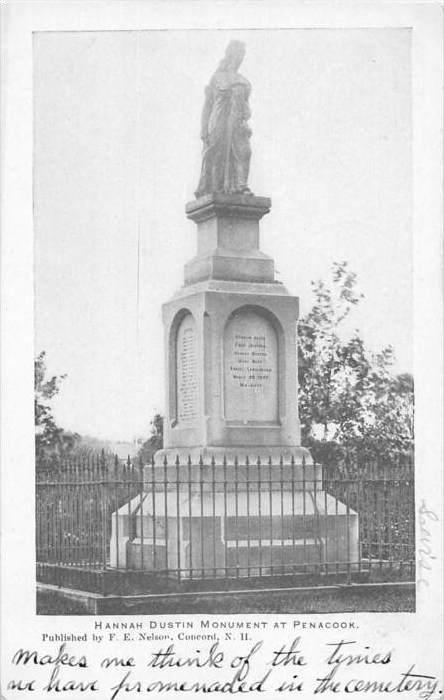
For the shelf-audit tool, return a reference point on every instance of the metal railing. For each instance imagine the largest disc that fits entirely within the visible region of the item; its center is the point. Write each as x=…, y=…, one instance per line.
x=110, y=526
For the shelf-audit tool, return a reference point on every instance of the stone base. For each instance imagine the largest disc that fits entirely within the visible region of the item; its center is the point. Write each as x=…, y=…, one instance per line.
x=209, y=534
x=287, y=454
x=233, y=478
x=222, y=264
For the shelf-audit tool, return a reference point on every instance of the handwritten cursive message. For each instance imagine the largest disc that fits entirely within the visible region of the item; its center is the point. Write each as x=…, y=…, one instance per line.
x=346, y=668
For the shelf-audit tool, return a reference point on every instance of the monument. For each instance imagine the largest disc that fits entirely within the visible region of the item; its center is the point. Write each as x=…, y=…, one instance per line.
x=230, y=332
x=231, y=417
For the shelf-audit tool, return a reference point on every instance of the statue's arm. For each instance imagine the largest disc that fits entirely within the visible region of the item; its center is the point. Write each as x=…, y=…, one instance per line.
x=206, y=112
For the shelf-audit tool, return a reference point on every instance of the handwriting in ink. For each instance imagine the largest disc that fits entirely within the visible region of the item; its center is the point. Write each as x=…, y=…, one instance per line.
x=367, y=657
x=23, y=656
x=425, y=551
x=292, y=655
x=168, y=658
x=409, y=682
x=232, y=687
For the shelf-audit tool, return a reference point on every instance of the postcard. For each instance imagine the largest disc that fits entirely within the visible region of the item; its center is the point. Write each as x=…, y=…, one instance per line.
x=222, y=349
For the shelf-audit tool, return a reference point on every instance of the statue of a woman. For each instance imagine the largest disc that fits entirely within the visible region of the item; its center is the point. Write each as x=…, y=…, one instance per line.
x=225, y=132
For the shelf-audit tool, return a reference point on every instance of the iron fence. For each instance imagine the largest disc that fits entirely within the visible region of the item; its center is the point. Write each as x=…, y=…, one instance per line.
x=109, y=526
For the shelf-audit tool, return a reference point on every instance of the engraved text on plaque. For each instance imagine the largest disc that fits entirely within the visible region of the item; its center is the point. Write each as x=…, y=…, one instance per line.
x=187, y=388
x=250, y=369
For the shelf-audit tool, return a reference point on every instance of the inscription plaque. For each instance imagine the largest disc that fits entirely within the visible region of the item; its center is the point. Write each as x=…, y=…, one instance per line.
x=187, y=388
x=250, y=369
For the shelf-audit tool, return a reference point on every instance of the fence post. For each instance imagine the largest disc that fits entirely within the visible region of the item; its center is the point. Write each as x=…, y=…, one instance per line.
x=141, y=500
x=202, y=555
x=116, y=508
x=178, y=544
x=104, y=498
x=259, y=511
x=165, y=512
x=190, y=517
x=247, y=497
x=225, y=519
x=236, y=510
x=213, y=501
x=153, y=511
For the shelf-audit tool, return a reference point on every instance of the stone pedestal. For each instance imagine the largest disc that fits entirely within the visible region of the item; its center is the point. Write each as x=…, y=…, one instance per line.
x=214, y=531
x=232, y=493
x=228, y=239
x=230, y=340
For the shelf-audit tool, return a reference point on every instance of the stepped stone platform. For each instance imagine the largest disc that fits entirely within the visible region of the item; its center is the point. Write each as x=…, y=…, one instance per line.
x=218, y=527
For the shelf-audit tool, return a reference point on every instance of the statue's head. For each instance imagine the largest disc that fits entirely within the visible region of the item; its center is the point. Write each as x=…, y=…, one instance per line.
x=234, y=54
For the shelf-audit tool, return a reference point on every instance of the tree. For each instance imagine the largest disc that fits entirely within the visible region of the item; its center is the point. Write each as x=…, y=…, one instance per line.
x=154, y=442
x=50, y=440
x=349, y=398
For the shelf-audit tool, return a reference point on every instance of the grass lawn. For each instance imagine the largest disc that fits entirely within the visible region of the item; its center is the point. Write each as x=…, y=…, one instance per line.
x=382, y=599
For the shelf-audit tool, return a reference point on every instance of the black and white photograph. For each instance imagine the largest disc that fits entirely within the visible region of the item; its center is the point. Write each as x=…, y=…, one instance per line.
x=222, y=359
x=257, y=188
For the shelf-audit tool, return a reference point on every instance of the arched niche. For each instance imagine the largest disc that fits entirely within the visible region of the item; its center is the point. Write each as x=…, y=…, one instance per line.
x=251, y=367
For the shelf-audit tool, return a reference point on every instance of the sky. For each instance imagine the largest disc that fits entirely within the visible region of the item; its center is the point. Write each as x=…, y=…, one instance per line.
x=117, y=155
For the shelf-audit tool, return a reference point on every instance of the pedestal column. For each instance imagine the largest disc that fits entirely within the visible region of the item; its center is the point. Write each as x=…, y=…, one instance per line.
x=230, y=340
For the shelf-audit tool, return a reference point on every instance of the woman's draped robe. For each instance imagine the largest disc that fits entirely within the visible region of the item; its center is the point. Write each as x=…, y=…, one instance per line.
x=226, y=135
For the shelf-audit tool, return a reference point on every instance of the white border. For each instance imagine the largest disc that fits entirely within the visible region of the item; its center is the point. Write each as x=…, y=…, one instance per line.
x=19, y=20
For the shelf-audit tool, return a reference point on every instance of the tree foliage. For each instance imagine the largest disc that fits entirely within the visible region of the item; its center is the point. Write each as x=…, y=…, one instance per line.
x=51, y=441
x=348, y=396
